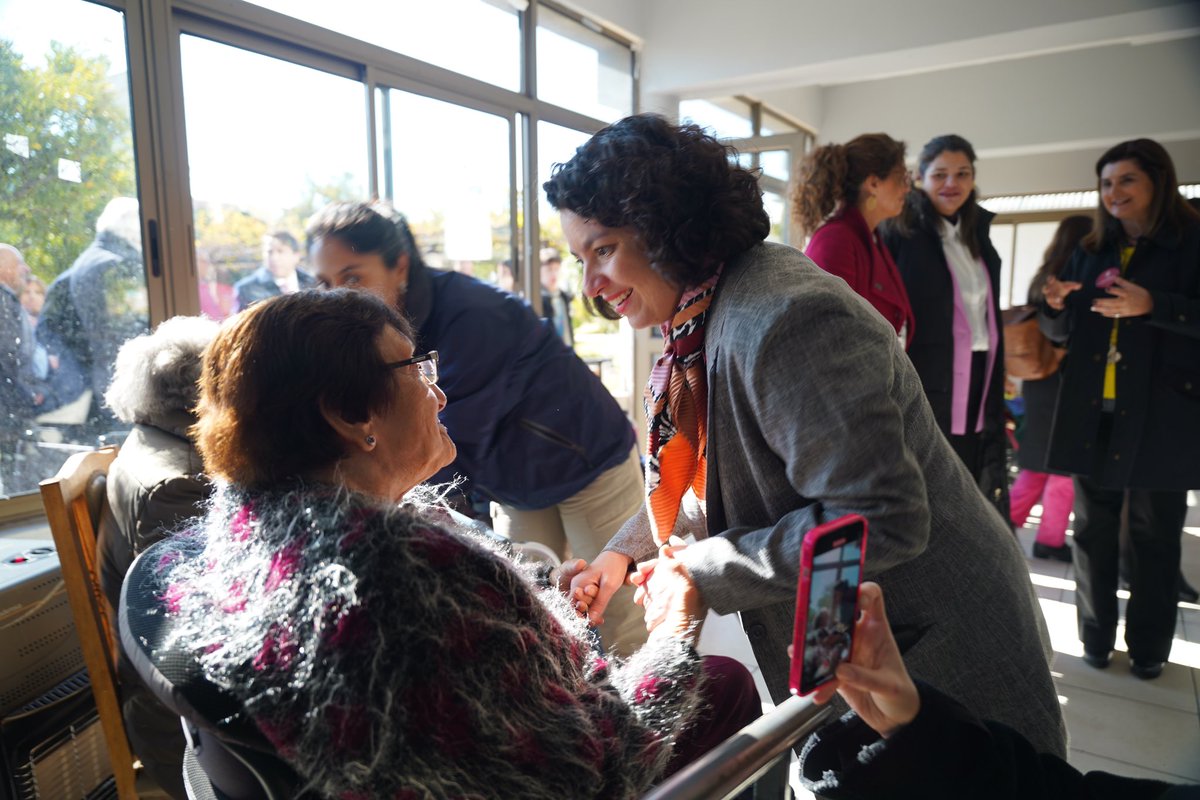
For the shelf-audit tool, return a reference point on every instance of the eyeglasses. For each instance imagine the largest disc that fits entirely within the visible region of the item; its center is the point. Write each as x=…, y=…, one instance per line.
x=427, y=363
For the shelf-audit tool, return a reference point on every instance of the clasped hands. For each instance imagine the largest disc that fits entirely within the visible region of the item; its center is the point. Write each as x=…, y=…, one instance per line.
x=1126, y=298
x=672, y=604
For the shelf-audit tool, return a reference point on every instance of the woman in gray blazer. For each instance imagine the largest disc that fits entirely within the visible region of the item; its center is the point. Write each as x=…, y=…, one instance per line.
x=782, y=400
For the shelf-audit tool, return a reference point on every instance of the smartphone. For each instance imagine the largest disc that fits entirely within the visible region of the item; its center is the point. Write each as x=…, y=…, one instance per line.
x=831, y=567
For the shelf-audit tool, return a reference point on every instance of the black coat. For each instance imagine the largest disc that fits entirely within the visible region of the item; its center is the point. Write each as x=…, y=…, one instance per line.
x=922, y=264
x=947, y=752
x=1155, y=442
x=1040, y=397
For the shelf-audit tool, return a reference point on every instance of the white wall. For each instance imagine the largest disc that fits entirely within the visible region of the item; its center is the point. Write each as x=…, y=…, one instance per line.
x=1037, y=114
x=1040, y=87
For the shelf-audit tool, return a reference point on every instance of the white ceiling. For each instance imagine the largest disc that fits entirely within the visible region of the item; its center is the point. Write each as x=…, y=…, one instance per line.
x=1040, y=87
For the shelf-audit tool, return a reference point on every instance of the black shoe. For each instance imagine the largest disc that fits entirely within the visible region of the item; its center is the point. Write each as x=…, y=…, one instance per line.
x=1187, y=592
x=1101, y=660
x=1057, y=553
x=1146, y=670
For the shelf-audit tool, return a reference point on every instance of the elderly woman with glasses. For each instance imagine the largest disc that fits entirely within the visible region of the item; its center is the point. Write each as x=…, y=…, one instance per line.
x=782, y=401
x=380, y=649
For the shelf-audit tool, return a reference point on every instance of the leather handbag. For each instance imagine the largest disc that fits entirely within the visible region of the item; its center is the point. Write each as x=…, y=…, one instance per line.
x=1028, y=354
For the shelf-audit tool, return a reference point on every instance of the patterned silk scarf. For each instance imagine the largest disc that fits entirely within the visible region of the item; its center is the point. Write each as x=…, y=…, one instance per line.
x=677, y=411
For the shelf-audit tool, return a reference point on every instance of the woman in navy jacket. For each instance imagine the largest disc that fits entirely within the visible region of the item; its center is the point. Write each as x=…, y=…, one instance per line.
x=952, y=275
x=861, y=183
x=1127, y=424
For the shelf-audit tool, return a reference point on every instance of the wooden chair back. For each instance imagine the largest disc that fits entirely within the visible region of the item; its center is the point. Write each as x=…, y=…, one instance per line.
x=74, y=500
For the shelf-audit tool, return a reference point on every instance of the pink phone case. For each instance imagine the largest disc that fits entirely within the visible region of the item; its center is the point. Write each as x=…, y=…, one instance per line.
x=1108, y=277
x=822, y=533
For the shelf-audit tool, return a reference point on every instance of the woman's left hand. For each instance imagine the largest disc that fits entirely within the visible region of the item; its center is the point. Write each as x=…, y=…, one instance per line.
x=1127, y=300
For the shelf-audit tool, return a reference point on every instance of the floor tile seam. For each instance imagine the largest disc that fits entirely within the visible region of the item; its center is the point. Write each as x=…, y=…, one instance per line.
x=1123, y=762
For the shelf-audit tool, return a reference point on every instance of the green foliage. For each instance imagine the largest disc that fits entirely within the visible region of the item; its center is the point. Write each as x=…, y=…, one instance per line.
x=69, y=109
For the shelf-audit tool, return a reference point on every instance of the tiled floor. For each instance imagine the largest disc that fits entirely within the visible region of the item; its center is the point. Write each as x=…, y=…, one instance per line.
x=1116, y=722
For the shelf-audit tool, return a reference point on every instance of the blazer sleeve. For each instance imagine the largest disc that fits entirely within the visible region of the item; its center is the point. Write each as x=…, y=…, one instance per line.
x=837, y=429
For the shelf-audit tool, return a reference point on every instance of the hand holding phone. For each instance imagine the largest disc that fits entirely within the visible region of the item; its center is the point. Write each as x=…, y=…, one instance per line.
x=831, y=565
x=875, y=683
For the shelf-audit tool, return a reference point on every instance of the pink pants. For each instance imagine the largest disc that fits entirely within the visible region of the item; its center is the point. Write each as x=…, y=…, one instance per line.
x=1057, y=494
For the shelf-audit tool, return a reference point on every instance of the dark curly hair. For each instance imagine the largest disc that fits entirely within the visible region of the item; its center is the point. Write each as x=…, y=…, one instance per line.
x=683, y=192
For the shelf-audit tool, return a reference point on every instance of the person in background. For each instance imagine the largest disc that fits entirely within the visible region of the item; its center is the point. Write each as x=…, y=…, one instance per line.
x=22, y=393
x=33, y=297
x=94, y=307
x=1128, y=420
x=536, y=432
x=951, y=272
x=1055, y=491
x=906, y=740
x=155, y=483
x=217, y=299
x=861, y=184
x=376, y=647
x=279, y=274
x=556, y=302
x=781, y=401
x=506, y=279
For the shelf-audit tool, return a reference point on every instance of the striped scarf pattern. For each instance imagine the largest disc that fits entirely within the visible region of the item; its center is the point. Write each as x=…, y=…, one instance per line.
x=676, y=401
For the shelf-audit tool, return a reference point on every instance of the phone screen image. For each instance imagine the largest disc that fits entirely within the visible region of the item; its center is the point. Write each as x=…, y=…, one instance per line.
x=824, y=638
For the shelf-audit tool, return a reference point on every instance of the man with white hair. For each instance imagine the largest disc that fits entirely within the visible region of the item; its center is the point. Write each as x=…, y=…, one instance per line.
x=93, y=307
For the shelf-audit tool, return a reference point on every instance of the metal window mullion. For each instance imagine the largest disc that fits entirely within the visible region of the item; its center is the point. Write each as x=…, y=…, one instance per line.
x=533, y=225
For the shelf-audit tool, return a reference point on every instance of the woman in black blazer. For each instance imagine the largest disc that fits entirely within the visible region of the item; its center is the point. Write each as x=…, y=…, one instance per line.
x=1127, y=424
x=952, y=275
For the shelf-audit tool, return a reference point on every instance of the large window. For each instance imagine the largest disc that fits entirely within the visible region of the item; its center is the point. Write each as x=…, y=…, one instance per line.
x=250, y=115
x=479, y=38
x=72, y=281
x=583, y=69
x=448, y=173
x=269, y=143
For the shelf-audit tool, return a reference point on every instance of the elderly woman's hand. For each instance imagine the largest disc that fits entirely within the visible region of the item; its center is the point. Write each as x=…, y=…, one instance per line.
x=562, y=575
x=673, y=605
x=1127, y=300
x=1056, y=291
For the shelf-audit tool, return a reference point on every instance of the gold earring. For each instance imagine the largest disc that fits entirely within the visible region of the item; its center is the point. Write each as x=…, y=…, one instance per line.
x=871, y=203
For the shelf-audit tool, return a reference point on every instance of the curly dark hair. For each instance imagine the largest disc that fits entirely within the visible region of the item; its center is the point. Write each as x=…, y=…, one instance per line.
x=683, y=192
x=831, y=177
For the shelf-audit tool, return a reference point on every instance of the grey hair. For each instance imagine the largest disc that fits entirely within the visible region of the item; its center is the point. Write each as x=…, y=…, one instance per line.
x=155, y=377
x=121, y=217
